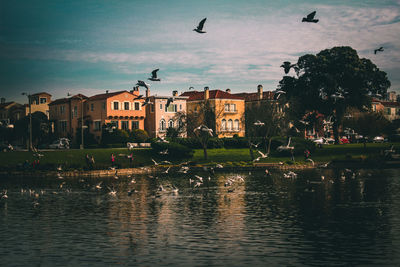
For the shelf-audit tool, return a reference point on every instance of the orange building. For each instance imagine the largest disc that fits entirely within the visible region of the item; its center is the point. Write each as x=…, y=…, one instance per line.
x=117, y=108
x=228, y=110
x=39, y=102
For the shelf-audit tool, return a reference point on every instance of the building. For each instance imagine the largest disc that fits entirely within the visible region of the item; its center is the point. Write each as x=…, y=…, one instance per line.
x=10, y=112
x=228, y=111
x=391, y=110
x=392, y=96
x=119, y=109
x=39, y=102
x=159, y=117
x=65, y=115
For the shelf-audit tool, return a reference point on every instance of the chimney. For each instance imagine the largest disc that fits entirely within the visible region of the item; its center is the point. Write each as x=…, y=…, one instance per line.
x=228, y=91
x=2, y=100
x=260, y=91
x=175, y=93
x=106, y=91
x=147, y=92
x=135, y=89
x=206, y=93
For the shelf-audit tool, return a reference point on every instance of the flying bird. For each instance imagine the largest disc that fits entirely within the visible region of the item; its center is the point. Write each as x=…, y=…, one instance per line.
x=199, y=28
x=380, y=49
x=146, y=101
x=287, y=66
x=258, y=123
x=169, y=101
x=191, y=87
x=154, y=76
x=143, y=84
x=278, y=93
x=138, y=97
x=310, y=18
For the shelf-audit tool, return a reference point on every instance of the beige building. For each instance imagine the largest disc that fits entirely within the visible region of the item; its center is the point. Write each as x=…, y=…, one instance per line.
x=228, y=110
x=39, y=102
x=391, y=110
x=10, y=112
x=159, y=117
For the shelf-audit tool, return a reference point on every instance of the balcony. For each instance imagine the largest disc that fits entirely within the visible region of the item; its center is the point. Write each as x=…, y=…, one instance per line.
x=230, y=111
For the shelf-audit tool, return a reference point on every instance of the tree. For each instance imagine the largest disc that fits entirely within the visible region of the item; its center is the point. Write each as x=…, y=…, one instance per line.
x=264, y=120
x=332, y=81
x=40, y=128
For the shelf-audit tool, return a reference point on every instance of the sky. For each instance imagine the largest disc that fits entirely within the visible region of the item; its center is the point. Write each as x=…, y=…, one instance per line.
x=90, y=46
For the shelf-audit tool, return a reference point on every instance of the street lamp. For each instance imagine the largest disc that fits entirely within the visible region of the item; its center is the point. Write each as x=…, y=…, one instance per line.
x=30, y=121
x=81, y=98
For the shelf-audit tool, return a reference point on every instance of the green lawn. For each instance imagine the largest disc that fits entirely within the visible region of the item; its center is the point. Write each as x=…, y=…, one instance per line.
x=75, y=158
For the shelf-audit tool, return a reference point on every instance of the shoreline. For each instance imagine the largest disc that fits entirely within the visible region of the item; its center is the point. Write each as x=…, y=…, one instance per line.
x=159, y=169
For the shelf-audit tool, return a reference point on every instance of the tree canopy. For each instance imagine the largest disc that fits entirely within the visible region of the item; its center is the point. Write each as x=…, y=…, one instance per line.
x=332, y=81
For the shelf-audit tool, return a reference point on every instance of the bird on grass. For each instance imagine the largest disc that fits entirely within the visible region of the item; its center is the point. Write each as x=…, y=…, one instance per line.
x=287, y=66
x=380, y=49
x=310, y=18
x=154, y=76
x=199, y=28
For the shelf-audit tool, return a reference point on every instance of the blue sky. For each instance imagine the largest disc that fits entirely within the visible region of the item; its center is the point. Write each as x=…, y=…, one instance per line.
x=92, y=46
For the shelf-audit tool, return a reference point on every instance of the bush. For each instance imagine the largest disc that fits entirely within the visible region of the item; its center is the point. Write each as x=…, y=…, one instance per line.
x=235, y=142
x=175, y=150
x=138, y=136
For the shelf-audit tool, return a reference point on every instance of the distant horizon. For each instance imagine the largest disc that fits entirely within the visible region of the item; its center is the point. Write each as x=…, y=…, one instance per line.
x=89, y=47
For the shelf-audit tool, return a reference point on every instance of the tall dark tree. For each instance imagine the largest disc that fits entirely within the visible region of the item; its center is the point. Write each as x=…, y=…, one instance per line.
x=332, y=81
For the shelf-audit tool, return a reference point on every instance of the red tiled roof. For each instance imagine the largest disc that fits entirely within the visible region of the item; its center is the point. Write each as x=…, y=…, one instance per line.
x=67, y=99
x=41, y=93
x=213, y=94
x=105, y=95
x=254, y=96
x=386, y=103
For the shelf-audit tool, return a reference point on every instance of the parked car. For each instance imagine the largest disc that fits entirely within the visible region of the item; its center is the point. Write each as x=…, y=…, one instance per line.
x=62, y=143
x=379, y=139
x=324, y=141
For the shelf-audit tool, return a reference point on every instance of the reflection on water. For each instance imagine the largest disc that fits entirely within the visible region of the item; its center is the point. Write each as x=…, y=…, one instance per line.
x=322, y=217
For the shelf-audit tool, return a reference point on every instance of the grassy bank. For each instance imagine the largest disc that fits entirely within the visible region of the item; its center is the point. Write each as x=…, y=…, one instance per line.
x=75, y=159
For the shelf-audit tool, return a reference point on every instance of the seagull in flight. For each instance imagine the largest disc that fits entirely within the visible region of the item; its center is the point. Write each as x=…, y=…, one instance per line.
x=380, y=49
x=146, y=101
x=138, y=97
x=169, y=101
x=155, y=162
x=278, y=93
x=191, y=87
x=310, y=18
x=154, y=76
x=199, y=28
x=287, y=66
x=204, y=129
x=258, y=123
x=143, y=84
x=262, y=154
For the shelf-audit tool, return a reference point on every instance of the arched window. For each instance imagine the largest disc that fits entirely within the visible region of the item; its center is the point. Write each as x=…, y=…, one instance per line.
x=236, y=125
x=171, y=124
x=230, y=124
x=163, y=125
x=223, y=125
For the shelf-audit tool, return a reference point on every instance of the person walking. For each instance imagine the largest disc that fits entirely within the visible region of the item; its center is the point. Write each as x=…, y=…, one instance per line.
x=112, y=160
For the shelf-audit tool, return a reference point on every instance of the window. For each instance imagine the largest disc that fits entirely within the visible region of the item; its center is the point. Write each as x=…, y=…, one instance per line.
x=171, y=124
x=91, y=107
x=161, y=106
x=63, y=126
x=180, y=123
x=125, y=125
x=97, y=125
x=223, y=125
x=226, y=107
x=388, y=111
x=135, y=125
x=116, y=105
x=230, y=125
x=43, y=100
x=162, y=125
x=74, y=112
x=152, y=107
x=103, y=105
x=180, y=106
x=62, y=109
x=126, y=105
x=137, y=106
x=170, y=108
x=233, y=107
x=236, y=125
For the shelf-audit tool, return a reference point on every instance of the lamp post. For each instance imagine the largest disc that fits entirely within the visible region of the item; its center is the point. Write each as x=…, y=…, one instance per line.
x=30, y=121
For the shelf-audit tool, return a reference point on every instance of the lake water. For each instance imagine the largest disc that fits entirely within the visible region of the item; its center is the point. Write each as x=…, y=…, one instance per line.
x=346, y=219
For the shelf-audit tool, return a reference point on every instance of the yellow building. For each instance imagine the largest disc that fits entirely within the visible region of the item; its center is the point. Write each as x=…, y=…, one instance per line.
x=39, y=102
x=228, y=111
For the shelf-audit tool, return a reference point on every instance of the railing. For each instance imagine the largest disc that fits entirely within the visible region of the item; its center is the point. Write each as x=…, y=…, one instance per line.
x=230, y=111
x=231, y=130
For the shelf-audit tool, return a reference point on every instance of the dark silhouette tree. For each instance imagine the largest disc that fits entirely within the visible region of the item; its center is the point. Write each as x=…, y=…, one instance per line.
x=332, y=81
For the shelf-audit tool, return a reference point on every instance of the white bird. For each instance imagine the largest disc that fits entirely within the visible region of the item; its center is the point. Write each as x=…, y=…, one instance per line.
x=287, y=147
x=310, y=161
x=166, y=171
x=143, y=84
x=112, y=192
x=98, y=186
x=258, y=123
x=255, y=145
x=155, y=162
x=198, y=184
x=164, y=152
x=204, y=129
x=59, y=176
x=199, y=28
x=219, y=166
x=278, y=93
x=262, y=154
x=133, y=181
x=154, y=76
x=4, y=196
x=161, y=140
x=166, y=162
x=191, y=181
x=199, y=177
x=290, y=174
